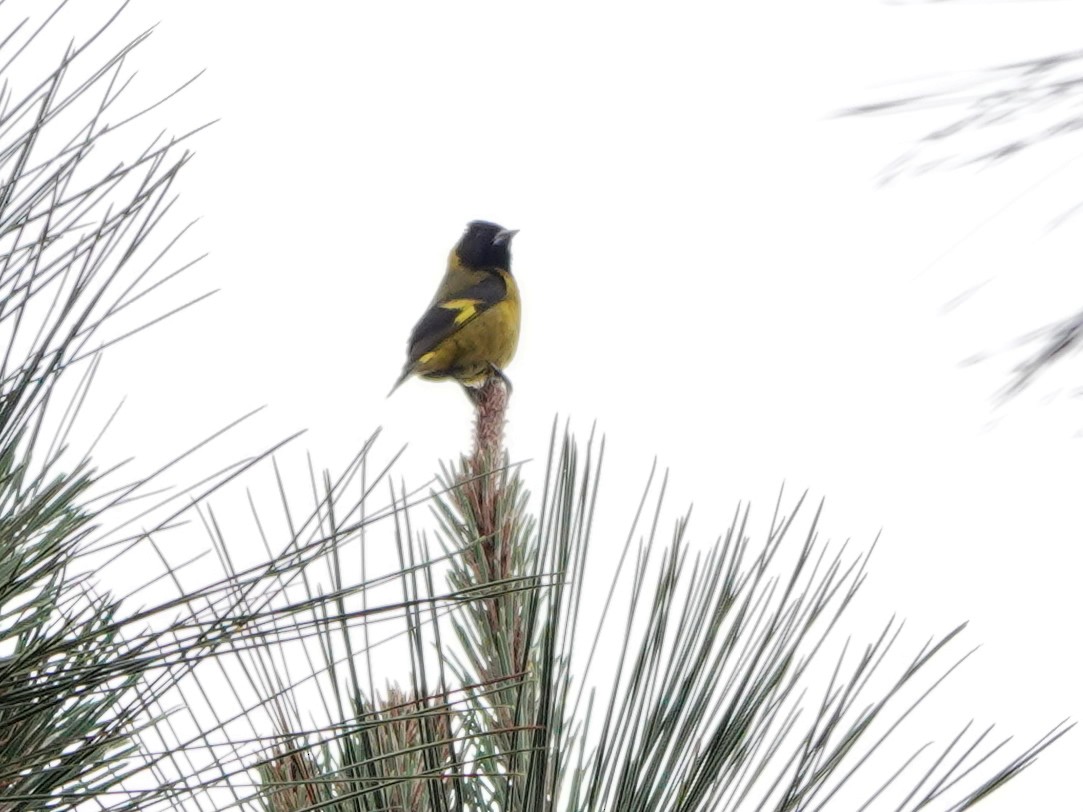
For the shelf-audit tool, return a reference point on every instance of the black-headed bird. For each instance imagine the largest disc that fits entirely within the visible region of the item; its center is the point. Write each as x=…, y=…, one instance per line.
x=471, y=329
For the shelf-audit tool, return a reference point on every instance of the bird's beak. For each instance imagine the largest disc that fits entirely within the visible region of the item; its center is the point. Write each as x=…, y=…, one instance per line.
x=504, y=236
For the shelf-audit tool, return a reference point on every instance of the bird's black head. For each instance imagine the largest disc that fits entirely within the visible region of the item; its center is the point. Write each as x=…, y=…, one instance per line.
x=485, y=245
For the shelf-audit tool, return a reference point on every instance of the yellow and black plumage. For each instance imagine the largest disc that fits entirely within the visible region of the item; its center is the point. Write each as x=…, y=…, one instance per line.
x=471, y=329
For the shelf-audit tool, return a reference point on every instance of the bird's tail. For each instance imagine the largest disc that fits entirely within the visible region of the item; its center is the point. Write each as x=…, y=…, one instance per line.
x=402, y=378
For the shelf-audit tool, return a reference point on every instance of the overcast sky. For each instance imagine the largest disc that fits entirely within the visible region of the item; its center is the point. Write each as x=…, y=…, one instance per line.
x=709, y=271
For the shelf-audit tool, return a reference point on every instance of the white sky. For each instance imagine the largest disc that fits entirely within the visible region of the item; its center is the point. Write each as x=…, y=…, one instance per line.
x=707, y=268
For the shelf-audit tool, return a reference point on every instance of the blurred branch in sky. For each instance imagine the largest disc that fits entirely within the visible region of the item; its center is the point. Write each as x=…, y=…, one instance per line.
x=983, y=118
x=989, y=115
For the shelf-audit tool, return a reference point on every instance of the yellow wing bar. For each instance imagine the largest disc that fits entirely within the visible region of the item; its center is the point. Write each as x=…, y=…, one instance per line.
x=467, y=308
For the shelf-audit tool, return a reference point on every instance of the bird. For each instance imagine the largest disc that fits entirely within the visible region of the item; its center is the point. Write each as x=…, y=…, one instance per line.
x=470, y=330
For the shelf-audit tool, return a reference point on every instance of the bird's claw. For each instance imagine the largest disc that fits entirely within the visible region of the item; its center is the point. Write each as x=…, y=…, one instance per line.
x=499, y=373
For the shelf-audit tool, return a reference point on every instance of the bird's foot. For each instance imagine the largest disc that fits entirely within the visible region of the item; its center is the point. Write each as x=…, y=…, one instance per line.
x=499, y=373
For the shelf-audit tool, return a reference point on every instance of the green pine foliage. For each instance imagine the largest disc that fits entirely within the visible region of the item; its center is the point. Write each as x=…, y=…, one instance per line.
x=72, y=670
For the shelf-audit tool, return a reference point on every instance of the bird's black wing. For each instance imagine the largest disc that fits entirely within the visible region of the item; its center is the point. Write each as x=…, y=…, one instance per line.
x=448, y=314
